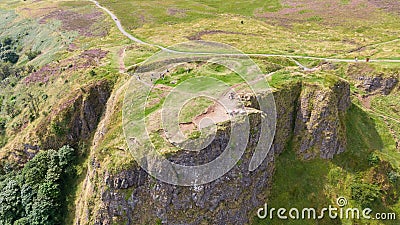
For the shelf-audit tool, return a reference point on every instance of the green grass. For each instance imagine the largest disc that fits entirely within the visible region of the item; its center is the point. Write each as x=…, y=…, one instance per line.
x=173, y=21
x=135, y=14
x=33, y=36
x=297, y=184
x=317, y=183
x=388, y=105
x=194, y=108
x=315, y=18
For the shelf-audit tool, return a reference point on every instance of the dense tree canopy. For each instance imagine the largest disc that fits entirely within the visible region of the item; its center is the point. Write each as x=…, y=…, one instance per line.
x=35, y=195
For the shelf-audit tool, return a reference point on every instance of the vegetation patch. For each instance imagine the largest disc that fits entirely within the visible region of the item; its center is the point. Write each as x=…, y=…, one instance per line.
x=87, y=59
x=36, y=194
x=73, y=21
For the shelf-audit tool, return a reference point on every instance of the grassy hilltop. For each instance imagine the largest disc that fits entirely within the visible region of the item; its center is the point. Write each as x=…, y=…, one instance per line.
x=64, y=69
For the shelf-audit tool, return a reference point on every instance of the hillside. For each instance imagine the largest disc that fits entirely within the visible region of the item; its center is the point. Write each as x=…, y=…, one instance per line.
x=90, y=88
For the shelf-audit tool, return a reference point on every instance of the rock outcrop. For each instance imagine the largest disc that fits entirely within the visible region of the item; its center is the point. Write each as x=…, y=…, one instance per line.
x=75, y=119
x=319, y=129
x=378, y=84
x=311, y=114
x=372, y=81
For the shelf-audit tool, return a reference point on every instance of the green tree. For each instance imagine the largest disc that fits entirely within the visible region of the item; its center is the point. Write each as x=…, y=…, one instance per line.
x=35, y=194
x=10, y=56
x=10, y=202
x=46, y=208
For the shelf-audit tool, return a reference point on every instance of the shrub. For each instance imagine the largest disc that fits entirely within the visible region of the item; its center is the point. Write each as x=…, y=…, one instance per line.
x=10, y=56
x=33, y=54
x=2, y=125
x=365, y=194
x=373, y=159
x=393, y=176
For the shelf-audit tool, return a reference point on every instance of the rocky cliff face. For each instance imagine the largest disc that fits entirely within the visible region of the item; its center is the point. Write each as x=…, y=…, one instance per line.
x=371, y=81
x=72, y=120
x=310, y=114
x=318, y=129
x=377, y=84
x=76, y=118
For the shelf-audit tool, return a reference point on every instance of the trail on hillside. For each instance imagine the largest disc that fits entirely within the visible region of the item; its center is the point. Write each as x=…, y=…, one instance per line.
x=135, y=39
x=121, y=57
x=293, y=57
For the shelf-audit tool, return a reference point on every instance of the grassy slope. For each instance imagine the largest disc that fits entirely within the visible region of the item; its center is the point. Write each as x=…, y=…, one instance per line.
x=318, y=183
x=340, y=35
x=53, y=41
x=314, y=183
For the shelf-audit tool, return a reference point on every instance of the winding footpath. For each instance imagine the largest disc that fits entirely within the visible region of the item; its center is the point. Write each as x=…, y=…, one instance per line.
x=293, y=57
x=137, y=40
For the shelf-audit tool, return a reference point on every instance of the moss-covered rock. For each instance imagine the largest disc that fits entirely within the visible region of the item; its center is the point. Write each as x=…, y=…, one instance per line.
x=131, y=196
x=76, y=118
x=319, y=128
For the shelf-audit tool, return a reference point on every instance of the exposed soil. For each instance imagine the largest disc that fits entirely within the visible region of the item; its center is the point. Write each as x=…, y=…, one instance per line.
x=187, y=127
x=365, y=100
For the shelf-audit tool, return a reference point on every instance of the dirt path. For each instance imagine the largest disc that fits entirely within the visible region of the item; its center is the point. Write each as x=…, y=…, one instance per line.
x=365, y=100
x=366, y=105
x=110, y=109
x=121, y=57
x=124, y=32
x=216, y=113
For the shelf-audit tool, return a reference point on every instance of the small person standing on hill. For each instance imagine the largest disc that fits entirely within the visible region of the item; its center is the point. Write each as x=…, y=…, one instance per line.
x=231, y=96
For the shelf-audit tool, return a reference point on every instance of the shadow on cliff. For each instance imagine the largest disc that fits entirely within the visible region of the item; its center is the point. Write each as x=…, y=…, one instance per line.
x=302, y=183
x=362, y=140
